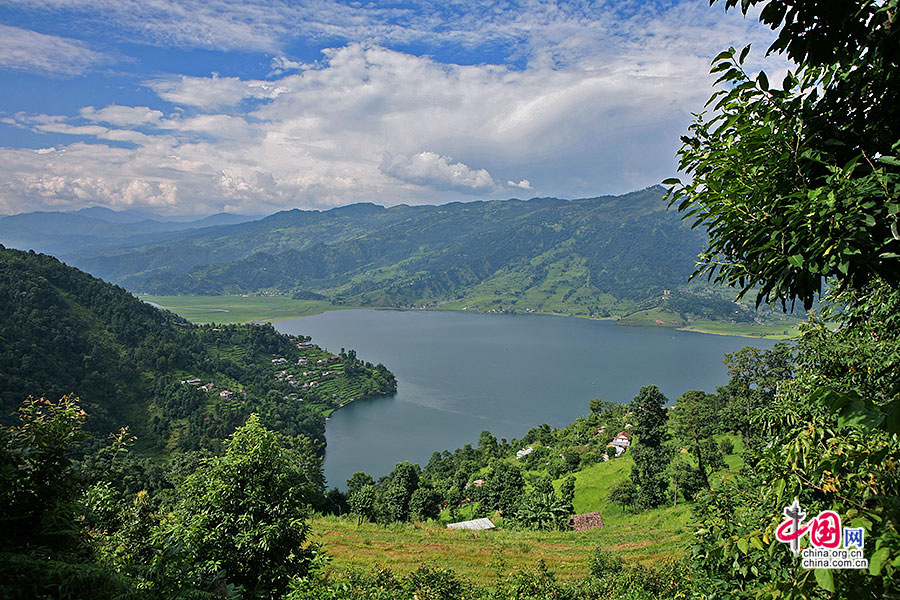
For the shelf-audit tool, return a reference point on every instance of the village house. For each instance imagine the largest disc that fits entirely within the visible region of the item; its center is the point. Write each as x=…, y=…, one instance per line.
x=208, y=387
x=620, y=443
x=524, y=452
x=190, y=382
x=226, y=395
x=302, y=362
x=279, y=361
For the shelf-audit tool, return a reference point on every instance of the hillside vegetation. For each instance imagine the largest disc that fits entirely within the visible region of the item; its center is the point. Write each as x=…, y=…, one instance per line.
x=591, y=257
x=65, y=332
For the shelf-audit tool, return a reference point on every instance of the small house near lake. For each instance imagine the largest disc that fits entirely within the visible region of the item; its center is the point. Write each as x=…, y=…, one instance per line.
x=620, y=443
x=524, y=452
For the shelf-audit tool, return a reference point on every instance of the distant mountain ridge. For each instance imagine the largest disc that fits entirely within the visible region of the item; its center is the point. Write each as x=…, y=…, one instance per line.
x=588, y=256
x=97, y=228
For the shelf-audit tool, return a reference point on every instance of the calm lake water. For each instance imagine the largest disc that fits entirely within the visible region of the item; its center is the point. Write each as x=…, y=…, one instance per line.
x=461, y=373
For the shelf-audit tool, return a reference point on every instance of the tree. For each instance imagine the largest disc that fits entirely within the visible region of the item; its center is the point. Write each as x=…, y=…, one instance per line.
x=547, y=512
x=45, y=547
x=362, y=503
x=599, y=406
x=567, y=492
x=424, y=504
x=487, y=443
x=359, y=480
x=245, y=513
x=651, y=456
x=755, y=375
x=503, y=487
x=687, y=479
x=623, y=494
x=694, y=422
x=799, y=184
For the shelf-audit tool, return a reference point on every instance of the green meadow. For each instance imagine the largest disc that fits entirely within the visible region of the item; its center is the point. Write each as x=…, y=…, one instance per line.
x=238, y=309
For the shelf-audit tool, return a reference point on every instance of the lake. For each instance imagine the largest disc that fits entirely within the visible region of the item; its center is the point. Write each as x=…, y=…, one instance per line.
x=459, y=374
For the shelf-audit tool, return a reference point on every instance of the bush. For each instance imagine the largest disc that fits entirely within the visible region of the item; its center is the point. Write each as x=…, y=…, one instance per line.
x=604, y=563
x=726, y=446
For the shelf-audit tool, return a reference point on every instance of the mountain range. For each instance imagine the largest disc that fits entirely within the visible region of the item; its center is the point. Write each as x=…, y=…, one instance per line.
x=589, y=256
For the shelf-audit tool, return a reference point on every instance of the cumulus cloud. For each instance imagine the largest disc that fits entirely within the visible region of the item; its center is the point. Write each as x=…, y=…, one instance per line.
x=27, y=50
x=595, y=105
x=433, y=170
x=524, y=184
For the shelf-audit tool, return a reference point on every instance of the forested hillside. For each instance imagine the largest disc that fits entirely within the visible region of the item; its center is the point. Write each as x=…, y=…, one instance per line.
x=591, y=256
x=179, y=386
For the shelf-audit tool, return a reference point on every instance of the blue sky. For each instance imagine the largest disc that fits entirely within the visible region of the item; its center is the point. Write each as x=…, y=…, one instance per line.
x=189, y=107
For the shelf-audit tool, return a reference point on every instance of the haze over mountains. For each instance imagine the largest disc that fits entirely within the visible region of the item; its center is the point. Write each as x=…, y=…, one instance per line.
x=94, y=229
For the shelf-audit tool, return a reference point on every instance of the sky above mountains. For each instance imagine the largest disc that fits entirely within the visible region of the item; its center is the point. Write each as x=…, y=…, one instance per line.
x=190, y=107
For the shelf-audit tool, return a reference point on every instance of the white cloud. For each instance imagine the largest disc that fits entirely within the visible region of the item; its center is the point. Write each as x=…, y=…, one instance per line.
x=282, y=64
x=542, y=32
x=27, y=50
x=595, y=106
x=212, y=92
x=435, y=171
x=122, y=115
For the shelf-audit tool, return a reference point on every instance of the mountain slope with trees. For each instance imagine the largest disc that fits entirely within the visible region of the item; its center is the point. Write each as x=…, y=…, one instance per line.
x=66, y=332
x=589, y=257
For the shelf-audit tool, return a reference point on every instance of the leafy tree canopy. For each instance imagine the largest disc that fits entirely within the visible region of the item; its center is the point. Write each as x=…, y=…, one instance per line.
x=800, y=183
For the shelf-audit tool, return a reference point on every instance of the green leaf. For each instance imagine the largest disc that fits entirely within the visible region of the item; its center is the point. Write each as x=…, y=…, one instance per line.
x=763, y=81
x=743, y=545
x=671, y=181
x=825, y=579
x=724, y=55
x=877, y=561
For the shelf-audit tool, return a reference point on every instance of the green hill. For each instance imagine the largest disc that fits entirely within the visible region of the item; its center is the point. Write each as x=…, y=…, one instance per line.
x=64, y=331
x=589, y=256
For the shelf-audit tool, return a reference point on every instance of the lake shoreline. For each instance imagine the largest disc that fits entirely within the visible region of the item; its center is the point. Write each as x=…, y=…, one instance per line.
x=461, y=374
x=202, y=315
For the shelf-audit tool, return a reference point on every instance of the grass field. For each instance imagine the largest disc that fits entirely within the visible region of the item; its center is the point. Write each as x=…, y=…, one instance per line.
x=653, y=317
x=477, y=555
x=777, y=331
x=238, y=309
x=645, y=537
